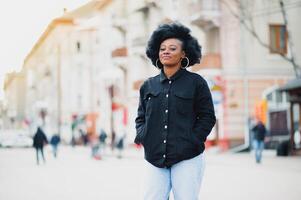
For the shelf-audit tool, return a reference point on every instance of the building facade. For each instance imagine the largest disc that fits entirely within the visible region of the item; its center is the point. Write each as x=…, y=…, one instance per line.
x=13, y=107
x=91, y=62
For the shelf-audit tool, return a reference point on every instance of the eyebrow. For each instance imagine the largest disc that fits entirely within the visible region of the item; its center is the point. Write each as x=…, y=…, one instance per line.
x=172, y=45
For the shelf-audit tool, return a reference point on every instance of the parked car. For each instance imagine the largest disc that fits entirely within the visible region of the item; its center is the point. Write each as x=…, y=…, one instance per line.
x=15, y=138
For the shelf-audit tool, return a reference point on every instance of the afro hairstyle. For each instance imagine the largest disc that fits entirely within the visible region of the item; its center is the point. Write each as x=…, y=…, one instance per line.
x=176, y=30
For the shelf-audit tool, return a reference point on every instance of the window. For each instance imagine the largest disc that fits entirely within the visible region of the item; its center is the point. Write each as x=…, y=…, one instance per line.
x=278, y=39
x=279, y=97
x=276, y=97
x=270, y=97
x=278, y=123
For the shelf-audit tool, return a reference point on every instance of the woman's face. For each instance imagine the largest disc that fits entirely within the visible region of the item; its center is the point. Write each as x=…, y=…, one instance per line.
x=171, y=53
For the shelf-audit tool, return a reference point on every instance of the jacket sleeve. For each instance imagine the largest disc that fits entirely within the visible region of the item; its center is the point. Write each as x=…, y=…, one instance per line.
x=140, y=119
x=45, y=140
x=205, y=117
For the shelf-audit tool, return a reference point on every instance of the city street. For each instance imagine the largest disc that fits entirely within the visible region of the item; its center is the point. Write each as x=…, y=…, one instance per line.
x=171, y=74
x=75, y=175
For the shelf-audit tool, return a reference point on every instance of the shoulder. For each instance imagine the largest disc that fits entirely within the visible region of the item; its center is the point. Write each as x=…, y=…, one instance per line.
x=152, y=79
x=150, y=82
x=197, y=78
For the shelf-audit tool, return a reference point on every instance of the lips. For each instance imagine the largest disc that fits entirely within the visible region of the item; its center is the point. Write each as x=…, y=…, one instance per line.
x=166, y=57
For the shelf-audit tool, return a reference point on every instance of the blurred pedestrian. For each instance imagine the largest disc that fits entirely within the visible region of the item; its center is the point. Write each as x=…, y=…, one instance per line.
x=175, y=115
x=39, y=140
x=84, y=136
x=102, y=141
x=54, y=141
x=113, y=140
x=94, y=144
x=259, y=132
x=120, y=144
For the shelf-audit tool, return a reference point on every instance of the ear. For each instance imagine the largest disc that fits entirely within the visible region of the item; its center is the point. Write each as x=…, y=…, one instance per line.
x=183, y=54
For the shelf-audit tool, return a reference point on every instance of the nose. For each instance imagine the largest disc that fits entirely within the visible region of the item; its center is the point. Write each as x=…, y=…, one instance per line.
x=165, y=52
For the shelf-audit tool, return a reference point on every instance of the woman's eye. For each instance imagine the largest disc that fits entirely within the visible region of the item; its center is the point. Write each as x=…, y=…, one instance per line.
x=162, y=49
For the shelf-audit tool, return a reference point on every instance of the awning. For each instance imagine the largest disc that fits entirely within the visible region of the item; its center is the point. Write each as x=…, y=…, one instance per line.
x=291, y=85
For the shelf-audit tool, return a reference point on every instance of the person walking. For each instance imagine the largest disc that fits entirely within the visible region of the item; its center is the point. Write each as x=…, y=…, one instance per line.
x=259, y=132
x=102, y=141
x=54, y=141
x=120, y=137
x=39, y=140
x=175, y=116
x=94, y=143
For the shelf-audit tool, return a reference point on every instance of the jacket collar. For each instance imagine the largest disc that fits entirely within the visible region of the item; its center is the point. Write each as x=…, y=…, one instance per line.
x=173, y=77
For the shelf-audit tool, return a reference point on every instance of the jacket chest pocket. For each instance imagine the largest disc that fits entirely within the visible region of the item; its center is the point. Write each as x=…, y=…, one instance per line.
x=184, y=101
x=151, y=99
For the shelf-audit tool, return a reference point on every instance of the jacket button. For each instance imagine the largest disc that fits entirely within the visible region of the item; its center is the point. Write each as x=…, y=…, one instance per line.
x=164, y=141
x=164, y=156
x=149, y=98
x=169, y=82
x=165, y=126
x=166, y=111
x=166, y=95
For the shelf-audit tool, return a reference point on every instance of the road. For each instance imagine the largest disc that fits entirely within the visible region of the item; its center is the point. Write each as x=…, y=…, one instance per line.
x=74, y=175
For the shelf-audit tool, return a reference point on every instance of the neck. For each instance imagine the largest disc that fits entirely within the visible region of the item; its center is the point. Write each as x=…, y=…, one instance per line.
x=170, y=71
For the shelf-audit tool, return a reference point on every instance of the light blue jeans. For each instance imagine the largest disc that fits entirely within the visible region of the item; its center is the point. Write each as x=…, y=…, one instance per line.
x=258, y=146
x=183, y=178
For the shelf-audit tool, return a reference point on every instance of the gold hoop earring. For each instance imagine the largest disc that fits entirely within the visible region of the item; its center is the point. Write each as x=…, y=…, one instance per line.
x=157, y=64
x=186, y=64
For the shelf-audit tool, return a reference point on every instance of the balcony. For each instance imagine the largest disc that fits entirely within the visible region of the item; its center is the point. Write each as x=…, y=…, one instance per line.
x=206, y=13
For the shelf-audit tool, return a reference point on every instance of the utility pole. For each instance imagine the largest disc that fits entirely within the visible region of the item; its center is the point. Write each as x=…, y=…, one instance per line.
x=113, y=134
x=59, y=91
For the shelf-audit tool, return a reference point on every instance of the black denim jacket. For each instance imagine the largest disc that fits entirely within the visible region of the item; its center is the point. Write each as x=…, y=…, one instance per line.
x=175, y=116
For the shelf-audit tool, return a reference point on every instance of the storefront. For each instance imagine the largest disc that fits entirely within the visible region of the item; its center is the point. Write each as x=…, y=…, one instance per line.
x=293, y=90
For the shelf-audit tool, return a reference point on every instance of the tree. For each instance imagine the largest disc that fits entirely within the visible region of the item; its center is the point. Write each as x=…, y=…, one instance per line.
x=241, y=10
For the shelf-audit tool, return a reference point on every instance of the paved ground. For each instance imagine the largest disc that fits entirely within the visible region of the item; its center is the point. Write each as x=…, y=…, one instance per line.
x=75, y=176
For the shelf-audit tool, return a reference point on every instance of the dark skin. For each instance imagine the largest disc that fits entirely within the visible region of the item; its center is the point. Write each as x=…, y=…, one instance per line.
x=170, y=55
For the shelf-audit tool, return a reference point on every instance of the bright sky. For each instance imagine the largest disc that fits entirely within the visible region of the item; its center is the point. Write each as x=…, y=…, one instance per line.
x=22, y=23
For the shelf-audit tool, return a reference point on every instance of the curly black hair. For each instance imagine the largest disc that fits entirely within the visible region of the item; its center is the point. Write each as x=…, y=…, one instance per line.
x=176, y=30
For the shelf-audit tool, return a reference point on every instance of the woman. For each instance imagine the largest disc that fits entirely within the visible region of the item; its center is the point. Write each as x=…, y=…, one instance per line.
x=175, y=116
x=39, y=140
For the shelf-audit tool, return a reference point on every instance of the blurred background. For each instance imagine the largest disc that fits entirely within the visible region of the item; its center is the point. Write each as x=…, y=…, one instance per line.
x=74, y=68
